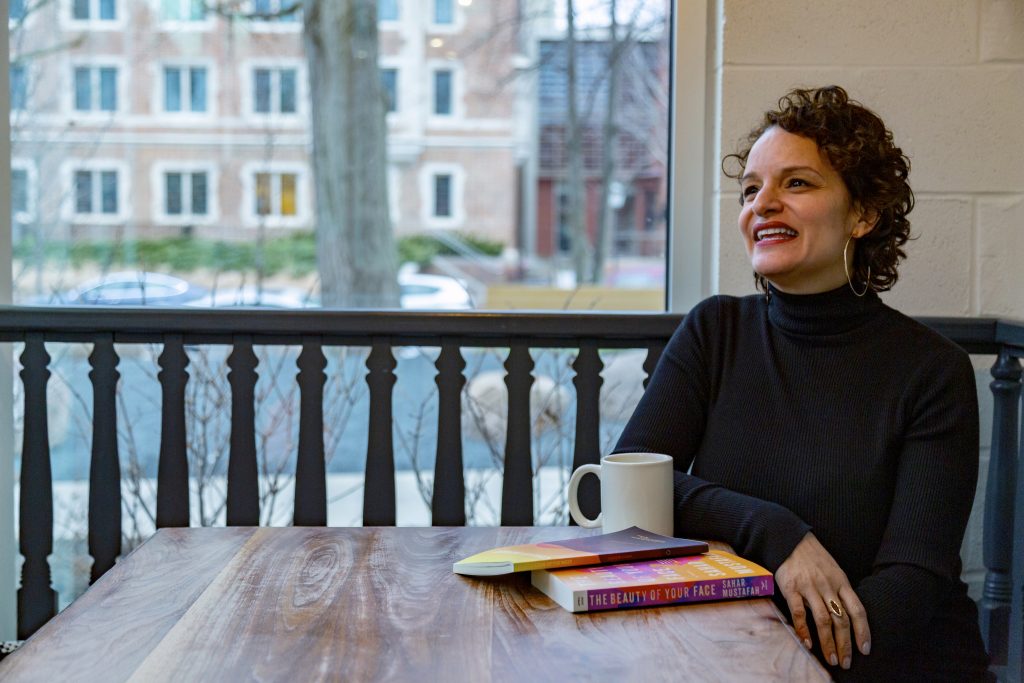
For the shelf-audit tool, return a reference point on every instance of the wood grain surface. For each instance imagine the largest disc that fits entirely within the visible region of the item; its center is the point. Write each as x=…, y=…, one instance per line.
x=363, y=604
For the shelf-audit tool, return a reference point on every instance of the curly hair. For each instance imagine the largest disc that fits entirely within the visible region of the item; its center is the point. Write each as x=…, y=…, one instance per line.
x=861, y=149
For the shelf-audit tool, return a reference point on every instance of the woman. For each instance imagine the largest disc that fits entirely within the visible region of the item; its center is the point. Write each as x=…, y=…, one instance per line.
x=815, y=429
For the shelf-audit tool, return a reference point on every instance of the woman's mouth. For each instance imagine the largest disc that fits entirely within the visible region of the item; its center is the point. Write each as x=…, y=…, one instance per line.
x=770, y=234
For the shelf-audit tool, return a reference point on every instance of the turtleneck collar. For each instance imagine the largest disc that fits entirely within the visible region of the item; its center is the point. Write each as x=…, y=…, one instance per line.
x=826, y=313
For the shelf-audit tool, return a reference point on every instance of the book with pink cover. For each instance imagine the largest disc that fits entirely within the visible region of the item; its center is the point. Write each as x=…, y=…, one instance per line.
x=628, y=544
x=715, y=575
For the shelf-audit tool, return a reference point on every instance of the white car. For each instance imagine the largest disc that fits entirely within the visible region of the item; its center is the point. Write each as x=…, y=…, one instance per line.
x=250, y=296
x=130, y=288
x=432, y=292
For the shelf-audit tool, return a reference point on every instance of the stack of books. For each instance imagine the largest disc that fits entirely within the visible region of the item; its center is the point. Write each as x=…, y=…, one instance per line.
x=629, y=568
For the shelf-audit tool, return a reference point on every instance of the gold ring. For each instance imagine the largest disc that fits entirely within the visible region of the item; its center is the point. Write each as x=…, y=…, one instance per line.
x=836, y=608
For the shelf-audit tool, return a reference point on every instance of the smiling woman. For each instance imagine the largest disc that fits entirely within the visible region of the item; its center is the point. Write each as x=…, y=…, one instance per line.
x=819, y=432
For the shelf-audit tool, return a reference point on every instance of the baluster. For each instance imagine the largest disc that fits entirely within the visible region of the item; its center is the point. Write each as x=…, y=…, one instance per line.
x=243, y=480
x=588, y=424
x=448, y=504
x=37, y=601
x=172, y=504
x=654, y=352
x=1015, y=654
x=105, y=467
x=379, y=487
x=310, y=468
x=517, y=480
x=998, y=530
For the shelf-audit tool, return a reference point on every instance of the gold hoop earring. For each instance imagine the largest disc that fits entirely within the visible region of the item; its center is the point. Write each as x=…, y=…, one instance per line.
x=846, y=268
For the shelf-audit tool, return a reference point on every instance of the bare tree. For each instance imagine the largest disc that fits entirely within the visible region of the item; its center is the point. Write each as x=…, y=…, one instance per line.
x=356, y=247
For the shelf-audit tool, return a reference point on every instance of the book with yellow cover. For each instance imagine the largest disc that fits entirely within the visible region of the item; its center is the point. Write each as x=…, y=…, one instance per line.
x=715, y=575
x=628, y=544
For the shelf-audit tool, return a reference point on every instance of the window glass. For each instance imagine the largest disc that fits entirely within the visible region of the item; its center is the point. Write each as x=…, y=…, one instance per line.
x=442, y=92
x=16, y=10
x=19, y=191
x=477, y=142
x=444, y=12
x=19, y=87
x=387, y=10
x=172, y=89
x=199, y=194
x=389, y=86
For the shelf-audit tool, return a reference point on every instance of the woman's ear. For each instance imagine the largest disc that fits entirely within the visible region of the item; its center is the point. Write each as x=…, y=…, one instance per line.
x=865, y=223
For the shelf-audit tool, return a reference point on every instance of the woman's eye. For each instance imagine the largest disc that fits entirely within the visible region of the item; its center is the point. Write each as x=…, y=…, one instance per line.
x=749, y=191
x=797, y=182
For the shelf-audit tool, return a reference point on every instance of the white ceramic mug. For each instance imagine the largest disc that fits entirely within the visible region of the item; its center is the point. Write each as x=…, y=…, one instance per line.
x=636, y=490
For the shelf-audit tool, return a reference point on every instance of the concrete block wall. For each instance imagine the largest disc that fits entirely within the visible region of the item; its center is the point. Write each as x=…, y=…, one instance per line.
x=947, y=76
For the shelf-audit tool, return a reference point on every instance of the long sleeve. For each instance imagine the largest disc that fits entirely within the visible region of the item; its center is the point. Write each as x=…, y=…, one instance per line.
x=919, y=558
x=670, y=418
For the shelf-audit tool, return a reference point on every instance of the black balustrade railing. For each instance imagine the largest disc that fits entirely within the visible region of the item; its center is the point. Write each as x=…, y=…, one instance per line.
x=1002, y=604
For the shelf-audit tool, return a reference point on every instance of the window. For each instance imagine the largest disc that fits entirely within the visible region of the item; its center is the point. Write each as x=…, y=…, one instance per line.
x=276, y=10
x=184, y=89
x=93, y=10
x=443, y=92
x=389, y=88
x=444, y=12
x=443, y=195
x=276, y=194
x=183, y=10
x=274, y=91
x=95, y=88
x=16, y=10
x=19, y=87
x=387, y=10
x=22, y=201
x=96, y=192
x=185, y=194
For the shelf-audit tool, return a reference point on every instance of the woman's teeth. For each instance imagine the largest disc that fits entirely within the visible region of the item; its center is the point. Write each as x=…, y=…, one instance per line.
x=774, y=234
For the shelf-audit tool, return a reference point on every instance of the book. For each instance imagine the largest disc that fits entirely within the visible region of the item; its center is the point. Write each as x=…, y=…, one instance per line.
x=620, y=546
x=715, y=575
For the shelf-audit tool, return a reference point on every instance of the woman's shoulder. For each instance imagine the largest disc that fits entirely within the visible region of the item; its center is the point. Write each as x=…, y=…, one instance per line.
x=921, y=344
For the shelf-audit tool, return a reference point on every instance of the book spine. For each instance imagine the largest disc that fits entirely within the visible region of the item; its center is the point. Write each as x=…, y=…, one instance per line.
x=673, y=593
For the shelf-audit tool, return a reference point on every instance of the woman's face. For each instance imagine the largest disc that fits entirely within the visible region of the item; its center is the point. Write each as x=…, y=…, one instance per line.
x=796, y=214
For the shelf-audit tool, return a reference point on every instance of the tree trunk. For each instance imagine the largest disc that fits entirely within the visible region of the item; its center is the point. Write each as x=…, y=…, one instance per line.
x=355, y=246
x=574, y=150
x=605, y=215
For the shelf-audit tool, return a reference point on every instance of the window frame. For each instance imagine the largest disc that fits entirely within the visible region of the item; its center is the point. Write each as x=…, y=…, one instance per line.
x=303, y=209
x=94, y=64
x=427, y=186
x=159, y=106
x=274, y=117
x=158, y=190
x=69, y=213
x=182, y=25
x=68, y=22
x=457, y=115
x=274, y=25
x=31, y=193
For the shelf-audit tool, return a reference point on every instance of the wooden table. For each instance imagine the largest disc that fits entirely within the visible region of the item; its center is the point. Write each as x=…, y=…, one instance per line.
x=361, y=604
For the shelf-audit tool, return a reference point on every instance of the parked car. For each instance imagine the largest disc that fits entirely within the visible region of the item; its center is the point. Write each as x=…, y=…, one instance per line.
x=432, y=292
x=251, y=296
x=129, y=288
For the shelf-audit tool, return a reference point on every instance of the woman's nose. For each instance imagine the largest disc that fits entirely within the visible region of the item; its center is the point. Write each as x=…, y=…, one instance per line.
x=766, y=201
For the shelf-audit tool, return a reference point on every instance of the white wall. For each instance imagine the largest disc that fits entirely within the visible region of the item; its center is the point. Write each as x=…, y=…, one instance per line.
x=948, y=77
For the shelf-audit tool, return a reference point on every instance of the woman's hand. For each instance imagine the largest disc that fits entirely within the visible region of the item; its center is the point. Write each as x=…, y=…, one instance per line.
x=809, y=580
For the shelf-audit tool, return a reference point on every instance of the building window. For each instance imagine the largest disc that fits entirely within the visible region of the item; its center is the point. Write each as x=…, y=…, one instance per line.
x=19, y=192
x=389, y=88
x=95, y=88
x=19, y=87
x=184, y=89
x=444, y=12
x=16, y=10
x=387, y=10
x=94, y=10
x=443, y=92
x=275, y=10
x=96, y=192
x=443, y=195
x=274, y=91
x=183, y=10
x=277, y=194
x=185, y=194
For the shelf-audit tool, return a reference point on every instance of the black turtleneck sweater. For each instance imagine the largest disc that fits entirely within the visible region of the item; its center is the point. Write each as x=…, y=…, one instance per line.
x=837, y=415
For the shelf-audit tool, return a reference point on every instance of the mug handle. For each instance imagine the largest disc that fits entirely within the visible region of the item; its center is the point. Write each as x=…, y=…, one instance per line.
x=574, y=508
